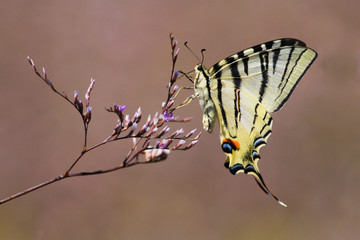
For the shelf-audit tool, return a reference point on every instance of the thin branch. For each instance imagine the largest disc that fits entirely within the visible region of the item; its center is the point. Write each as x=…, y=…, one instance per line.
x=29, y=190
x=126, y=126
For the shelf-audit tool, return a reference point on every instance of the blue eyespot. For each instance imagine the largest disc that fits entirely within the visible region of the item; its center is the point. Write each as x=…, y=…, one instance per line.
x=255, y=155
x=226, y=147
x=249, y=168
x=237, y=167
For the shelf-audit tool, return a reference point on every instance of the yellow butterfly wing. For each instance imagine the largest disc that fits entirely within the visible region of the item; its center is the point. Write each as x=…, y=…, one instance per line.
x=242, y=90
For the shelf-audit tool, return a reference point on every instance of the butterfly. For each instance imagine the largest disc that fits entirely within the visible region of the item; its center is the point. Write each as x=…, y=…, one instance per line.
x=242, y=91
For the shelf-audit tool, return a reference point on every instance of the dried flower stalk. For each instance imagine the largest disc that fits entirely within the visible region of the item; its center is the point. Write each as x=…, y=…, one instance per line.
x=152, y=139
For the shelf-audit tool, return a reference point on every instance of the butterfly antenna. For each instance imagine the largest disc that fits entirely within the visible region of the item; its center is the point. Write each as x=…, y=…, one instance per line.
x=202, y=55
x=186, y=45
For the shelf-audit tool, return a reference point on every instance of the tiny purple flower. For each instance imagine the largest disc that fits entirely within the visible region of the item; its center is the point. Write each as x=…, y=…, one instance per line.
x=168, y=116
x=119, y=108
x=174, y=77
x=122, y=108
x=88, y=110
x=76, y=94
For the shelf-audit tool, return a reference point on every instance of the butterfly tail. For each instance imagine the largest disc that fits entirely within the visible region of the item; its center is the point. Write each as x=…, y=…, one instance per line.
x=260, y=181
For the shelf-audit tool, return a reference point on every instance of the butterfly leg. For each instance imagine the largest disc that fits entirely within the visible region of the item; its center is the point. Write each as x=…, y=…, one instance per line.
x=187, y=101
x=178, y=91
x=187, y=76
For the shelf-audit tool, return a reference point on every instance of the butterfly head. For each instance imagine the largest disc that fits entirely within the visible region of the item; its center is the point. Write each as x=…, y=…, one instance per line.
x=200, y=69
x=202, y=76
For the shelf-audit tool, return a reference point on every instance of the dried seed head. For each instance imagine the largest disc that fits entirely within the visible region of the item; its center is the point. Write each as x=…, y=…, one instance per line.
x=87, y=95
x=118, y=110
x=133, y=128
x=139, y=112
x=155, y=120
x=76, y=94
x=179, y=144
x=165, y=143
x=161, y=121
x=174, y=77
x=174, y=44
x=126, y=122
x=143, y=129
x=31, y=61
x=153, y=130
x=154, y=155
x=117, y=128
x=87, y=115
x=176, y=55
x=148, y=120
x=137, y=116
x=197, y=136
x=177, y=133
x=187, y=119
x=190, y=133
x=169, y=104
x=193, y=143
x=163, y=131
x=176, y=87
x=77, y=102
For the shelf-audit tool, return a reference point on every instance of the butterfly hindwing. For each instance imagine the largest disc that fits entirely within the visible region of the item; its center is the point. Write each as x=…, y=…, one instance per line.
x=242, y=90
x=242, y=135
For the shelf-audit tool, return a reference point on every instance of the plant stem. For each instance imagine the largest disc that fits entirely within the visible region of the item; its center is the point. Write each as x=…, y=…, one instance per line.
x=19, y=194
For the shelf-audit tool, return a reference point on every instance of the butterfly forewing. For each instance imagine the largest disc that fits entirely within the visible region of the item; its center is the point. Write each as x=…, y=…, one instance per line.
x=268, y=72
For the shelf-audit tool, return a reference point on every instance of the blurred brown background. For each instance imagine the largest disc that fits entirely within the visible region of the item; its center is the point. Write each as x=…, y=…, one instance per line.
x=311, y=161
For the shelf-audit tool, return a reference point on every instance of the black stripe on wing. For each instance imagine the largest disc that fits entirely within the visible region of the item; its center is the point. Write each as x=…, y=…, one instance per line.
x=237, y=83
x=274, y=45
x=289, y=76
x=264, y=64
x=245, y=61
x=219, y=95
x=275, y=58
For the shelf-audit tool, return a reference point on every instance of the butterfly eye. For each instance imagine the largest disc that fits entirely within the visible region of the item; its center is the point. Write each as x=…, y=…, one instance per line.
x=199, y=68
x=226, y=147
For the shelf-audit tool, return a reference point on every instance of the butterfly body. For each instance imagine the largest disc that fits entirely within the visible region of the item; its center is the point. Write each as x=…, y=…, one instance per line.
x=203, y=92
x=242, y=90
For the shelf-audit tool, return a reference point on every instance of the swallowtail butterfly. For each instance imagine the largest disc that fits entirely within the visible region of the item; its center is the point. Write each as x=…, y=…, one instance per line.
x=242, y=91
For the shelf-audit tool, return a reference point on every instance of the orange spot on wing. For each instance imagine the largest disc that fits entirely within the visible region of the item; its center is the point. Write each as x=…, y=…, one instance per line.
x=236, y=144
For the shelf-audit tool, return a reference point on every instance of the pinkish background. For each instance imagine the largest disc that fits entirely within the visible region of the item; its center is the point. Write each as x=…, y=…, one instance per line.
x=311, y=161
